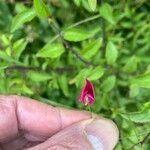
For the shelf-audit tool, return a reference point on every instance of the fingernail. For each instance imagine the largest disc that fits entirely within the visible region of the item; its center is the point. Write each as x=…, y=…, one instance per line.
x=102, y=134
x=96, y=143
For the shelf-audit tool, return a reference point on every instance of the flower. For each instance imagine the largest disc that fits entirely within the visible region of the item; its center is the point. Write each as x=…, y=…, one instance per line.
x=87, y=95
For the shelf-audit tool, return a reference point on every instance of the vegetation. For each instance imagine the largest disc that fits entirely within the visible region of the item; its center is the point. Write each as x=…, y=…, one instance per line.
x=48, y=49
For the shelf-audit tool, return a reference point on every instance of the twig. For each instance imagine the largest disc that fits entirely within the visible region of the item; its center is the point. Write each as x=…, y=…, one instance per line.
x=84, y=21
x=76, y=24
x=67, y=45
x=26, y=69
x=71, y=49
x=23, y=68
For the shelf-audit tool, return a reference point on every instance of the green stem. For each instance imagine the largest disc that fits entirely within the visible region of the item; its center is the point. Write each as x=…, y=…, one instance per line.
x=83, y=21
x=90, y=110
x=76, y=24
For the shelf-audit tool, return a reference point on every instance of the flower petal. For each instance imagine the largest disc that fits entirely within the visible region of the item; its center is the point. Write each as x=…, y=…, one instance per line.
x=87, y=95
x=90, y=88
x=91, y=100
x=82, y=95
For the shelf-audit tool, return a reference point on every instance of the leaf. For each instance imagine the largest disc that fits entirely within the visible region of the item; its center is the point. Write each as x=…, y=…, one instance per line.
x=3, y=65
x=111, y=53
x=146, y=105
x=63, y=83
x=85, y=5
x=39, y=76
x=77, y=2
x=41, y=8
x=138, y=117
x=51, y=50
x=18, y=47
x=7, y=58
x=142, y=80
x=82, y=76
x=131, y=65
x=88, y=73
x=26, y=90
x=109, y=83
x=77, y=34
x=92, y=4
x=96, y=73
x=134, y=90
x=22, y=18
x=106, y=12
x=91, y=49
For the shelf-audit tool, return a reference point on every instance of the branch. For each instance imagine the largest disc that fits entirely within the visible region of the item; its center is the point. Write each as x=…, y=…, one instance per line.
x=84, y=21
x=71, y=49
x=67, y=45
x=21, y=68
x=26, y=69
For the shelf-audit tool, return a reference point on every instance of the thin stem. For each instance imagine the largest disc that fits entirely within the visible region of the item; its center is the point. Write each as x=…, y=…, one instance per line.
x=74, y=25
x=84, y=21
x=26, y=69
x=90, y=110
x=67, y=45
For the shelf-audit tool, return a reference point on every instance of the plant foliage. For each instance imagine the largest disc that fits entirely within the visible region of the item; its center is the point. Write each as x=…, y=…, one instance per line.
x=48, y=49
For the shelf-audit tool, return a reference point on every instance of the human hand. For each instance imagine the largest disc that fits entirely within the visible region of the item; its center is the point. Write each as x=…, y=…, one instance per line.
x=27, y=124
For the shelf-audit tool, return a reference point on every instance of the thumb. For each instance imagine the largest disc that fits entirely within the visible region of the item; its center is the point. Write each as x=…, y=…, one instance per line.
x=101, y=134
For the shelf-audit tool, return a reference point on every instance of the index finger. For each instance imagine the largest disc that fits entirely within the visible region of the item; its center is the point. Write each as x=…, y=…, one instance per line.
x=36, y=119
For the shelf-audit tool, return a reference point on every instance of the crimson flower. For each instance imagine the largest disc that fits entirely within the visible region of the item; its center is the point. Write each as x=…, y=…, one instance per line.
x=87, y=95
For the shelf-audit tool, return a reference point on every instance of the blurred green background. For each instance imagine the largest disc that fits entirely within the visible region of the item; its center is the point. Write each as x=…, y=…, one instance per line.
x=48, y=48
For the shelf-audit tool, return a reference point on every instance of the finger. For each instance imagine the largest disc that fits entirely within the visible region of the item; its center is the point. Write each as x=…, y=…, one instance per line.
x=90, y=134
x=37, y=120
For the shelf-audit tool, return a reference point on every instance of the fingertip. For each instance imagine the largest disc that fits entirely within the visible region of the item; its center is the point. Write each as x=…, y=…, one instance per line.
x=103, y=132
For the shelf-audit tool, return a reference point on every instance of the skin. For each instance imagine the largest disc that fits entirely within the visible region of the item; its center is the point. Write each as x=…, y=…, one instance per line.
x=32, y=125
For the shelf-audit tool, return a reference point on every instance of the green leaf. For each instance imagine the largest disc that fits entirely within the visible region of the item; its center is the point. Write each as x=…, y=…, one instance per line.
x=138, y=117
x=39, y=76
x=96, y=73
x=89, y=73
x=18, y=47
x=82, y=76
x=109, y=83
x=7, y=58
x=77, y=2
x=92, y=4
x=3, y=65
x=22, y=18
x=131, y=65
x=146, y=105
x=51, y=50
x=134, y=90
x=91, y=49
x=63, y=83
x=106, y=12
x=26, y=90
x=85, y=4
x=20, y=7
x=142, y=80
x=41, y=8
x=77, y=34
x=111, y=53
